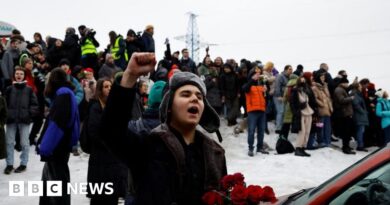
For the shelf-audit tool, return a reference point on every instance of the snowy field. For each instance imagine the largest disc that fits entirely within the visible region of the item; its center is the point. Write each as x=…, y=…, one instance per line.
x=285, y=173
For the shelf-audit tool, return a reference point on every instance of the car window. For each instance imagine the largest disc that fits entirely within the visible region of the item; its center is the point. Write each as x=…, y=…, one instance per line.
x=373, y=189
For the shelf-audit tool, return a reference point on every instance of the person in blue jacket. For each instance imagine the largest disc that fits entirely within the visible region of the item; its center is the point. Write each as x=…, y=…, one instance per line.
x=383, y=111
x=59, y=136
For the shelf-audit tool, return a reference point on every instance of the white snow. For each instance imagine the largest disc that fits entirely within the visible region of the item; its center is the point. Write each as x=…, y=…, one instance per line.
x=285, y=173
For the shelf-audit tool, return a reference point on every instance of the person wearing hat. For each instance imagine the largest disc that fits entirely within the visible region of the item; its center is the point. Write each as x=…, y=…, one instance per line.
x=30, y=51
x=133, y=43
x=325, y=106
x=299, y=70
x=175, y=163
x=343, y=113
x=255, y=90
x=72, y=47
x=383, y=111
x=147, y=38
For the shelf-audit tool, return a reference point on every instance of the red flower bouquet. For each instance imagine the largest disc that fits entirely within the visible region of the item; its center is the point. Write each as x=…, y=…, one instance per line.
x=235, y=192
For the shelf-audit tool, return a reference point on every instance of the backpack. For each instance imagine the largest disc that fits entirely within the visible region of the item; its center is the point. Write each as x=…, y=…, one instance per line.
x=283, y=146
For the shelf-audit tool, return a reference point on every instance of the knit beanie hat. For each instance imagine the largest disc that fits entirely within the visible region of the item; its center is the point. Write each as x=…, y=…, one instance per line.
x=209, y=119
x=156, y=94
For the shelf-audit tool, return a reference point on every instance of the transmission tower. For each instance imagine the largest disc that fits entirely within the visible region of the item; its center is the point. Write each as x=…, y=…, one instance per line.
x=192, y=37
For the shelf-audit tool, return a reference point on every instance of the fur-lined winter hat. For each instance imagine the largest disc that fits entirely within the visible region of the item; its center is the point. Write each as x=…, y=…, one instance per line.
x=209, y=119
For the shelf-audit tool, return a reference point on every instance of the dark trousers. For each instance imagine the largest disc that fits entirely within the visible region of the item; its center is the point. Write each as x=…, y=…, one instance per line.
x=285, y=130
x=345, y=127
x=232, y=109
x=104, y=200
x=56, y=170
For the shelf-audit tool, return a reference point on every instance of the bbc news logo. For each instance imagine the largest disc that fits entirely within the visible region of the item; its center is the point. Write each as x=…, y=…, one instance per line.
x=54, y=188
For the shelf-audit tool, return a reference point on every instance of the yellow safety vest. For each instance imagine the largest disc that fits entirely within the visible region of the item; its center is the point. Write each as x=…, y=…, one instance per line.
x=115, y=49
x=88, y=48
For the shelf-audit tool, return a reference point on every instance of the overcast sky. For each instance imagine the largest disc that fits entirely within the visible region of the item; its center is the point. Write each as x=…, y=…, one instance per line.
x=347, y=34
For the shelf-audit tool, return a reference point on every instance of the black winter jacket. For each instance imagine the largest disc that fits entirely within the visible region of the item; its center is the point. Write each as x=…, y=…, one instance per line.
x=22, y=103
x=103, y=166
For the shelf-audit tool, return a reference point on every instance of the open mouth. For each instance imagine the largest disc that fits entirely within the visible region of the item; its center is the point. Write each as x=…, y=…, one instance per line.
x=193, y=110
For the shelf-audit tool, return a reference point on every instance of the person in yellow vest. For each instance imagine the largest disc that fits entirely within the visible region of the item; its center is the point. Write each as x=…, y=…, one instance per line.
x=88, y=43
x=117, y=48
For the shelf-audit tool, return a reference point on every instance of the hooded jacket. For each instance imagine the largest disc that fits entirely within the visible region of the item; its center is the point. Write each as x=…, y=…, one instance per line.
x=383, y=111
x=254, y=93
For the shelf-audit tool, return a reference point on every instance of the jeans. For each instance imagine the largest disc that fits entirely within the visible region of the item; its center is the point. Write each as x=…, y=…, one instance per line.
x=279, y=106
x=24, y=130
x=359, y=135
x=256, y=120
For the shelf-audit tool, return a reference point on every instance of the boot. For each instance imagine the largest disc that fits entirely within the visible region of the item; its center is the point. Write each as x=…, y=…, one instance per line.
x=305, y=153
x=298, y=152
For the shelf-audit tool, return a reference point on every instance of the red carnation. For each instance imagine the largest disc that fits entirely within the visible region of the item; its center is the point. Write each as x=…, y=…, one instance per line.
x=212, y=198
x=238, y=178
x=269, y=194
x=255, y=193
x=227, y=182
x=239, y=195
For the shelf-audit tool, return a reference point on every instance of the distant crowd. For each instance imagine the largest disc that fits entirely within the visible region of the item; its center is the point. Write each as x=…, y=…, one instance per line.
x=318, y=107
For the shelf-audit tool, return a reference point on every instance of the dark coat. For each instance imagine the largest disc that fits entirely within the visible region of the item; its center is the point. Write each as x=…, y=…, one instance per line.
x=360, y=114
x=158, y=161
x=3, y=118
x=297, y=106
x=188, y=65
x=213, y=92
x=22, y=103
x=62, y=127
x=148, y=41
x=230, y=86
x=72, y=49
x=61, y=133
x=103, y=166
x=342, y=103
x=55, y=54
x=134, y=46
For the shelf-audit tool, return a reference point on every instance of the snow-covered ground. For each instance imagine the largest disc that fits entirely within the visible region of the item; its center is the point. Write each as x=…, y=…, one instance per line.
x=285, y=173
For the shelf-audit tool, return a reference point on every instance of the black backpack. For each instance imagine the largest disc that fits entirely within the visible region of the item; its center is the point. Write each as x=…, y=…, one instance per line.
x=283, y=146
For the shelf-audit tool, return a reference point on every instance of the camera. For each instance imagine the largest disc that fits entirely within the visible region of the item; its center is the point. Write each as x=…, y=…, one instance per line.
x=90, y=32
x=138, y=35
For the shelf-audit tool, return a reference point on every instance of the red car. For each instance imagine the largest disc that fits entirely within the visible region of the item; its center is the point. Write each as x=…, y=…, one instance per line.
x=365, y=182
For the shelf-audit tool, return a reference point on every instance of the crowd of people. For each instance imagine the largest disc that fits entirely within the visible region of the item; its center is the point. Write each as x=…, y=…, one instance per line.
x=137, y=117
